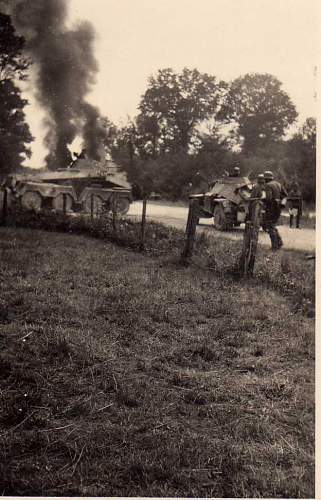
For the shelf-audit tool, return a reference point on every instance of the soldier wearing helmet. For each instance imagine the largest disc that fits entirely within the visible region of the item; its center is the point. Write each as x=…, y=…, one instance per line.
x=275, y=197
x=236, y=171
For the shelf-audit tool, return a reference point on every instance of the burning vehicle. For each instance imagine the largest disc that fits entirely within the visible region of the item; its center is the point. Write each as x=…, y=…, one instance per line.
x=86, y=186
x=65, y=69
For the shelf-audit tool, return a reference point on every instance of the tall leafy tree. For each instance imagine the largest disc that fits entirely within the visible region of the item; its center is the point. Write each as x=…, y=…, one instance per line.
x=174, y=104
x=12, y=62
x=302, y=158
x=261, y=109
x=214, y=155
x=14, y=131
x=130, y=150
x=124, y=145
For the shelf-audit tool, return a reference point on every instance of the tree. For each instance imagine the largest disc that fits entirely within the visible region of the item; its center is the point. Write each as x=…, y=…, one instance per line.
x=214, y=155
x=14, y=131
x=172, y=172
x=12, y=62
x=302, y=158
x=174, y=103
x=124, y=145
x=148, y=133
x=271, y=156
x=260, y=108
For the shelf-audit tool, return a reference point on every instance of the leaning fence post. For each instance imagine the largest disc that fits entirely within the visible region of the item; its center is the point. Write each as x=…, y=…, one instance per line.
x=192, y=221
x=4, y=207
x=64, y=203
x=143, y=226
x=250, y=239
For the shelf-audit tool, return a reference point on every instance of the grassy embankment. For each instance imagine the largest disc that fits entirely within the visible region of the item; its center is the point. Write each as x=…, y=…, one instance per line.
x=127, y=375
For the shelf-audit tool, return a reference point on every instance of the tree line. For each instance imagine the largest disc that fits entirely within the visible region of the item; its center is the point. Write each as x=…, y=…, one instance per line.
x=190, y=126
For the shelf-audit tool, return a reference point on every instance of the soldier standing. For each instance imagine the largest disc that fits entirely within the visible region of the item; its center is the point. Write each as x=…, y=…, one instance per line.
x=258, y=190
x=295, y=204
x=236, y=172
x=275, y=199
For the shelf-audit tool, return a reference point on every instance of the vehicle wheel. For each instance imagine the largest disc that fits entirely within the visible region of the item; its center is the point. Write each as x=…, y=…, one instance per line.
x=222, y=220
x=58, y=202
x=31, y=200
x=9, y=199
x=98, y=204
x=121, y=205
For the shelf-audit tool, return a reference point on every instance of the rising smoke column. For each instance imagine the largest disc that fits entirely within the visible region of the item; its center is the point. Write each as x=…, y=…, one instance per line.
x=65, y=71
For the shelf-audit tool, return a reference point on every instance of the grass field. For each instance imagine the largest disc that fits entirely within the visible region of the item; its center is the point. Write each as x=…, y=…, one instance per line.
x=130, y=375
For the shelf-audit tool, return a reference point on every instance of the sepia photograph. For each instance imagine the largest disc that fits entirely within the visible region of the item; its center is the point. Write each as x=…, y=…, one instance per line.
x=158, y=248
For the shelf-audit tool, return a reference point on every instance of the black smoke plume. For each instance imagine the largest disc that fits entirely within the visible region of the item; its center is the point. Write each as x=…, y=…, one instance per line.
x=65, y=72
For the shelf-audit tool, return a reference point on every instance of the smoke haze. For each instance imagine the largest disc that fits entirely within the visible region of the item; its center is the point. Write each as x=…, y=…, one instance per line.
x=65, y=72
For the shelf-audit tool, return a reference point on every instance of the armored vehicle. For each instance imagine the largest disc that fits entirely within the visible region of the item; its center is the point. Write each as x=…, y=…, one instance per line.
x=227, y=202
x=85, y=186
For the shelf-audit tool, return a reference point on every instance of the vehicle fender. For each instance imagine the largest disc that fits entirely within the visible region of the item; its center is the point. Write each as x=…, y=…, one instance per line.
x=227, y=205
x=46, y=190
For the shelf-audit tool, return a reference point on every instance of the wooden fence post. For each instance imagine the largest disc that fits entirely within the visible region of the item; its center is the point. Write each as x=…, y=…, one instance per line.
x=4, y=207
x=192, y=221
x=64, y=203
x=114, y=220
x=143, y=226
x=250, y=239
x=92, y=207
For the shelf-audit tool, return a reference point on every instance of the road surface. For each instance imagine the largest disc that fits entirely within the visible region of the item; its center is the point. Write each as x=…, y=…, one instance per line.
x=176, y=216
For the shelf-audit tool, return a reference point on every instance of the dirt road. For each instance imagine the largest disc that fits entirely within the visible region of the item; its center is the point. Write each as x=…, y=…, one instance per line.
x=173, y=215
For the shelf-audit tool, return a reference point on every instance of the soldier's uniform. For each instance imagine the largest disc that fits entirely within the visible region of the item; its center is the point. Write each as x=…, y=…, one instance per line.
x=236, y=172
x=295, y=204
x=258, y=190
x=275, y=193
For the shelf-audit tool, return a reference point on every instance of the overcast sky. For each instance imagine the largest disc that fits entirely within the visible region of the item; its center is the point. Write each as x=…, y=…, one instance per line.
x=226, y=38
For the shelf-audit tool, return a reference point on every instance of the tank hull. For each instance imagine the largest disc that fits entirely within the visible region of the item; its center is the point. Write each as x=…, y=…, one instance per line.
x=83, y=189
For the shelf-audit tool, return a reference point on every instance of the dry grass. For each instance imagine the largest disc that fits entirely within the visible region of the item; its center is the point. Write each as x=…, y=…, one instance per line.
x=132, y=376
x=287, y=272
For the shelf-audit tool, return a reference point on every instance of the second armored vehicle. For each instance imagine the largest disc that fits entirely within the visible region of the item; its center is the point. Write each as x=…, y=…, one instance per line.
x=227, y=202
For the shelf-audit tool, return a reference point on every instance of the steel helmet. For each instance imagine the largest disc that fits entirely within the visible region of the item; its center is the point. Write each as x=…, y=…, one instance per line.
x=260, y=178
x=268, y=175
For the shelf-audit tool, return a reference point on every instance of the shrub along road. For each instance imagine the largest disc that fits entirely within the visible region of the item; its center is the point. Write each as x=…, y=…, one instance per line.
x=176, y=216
x=130, y=375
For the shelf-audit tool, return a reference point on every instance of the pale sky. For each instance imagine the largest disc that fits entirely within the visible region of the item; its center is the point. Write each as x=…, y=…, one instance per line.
x=226, y=38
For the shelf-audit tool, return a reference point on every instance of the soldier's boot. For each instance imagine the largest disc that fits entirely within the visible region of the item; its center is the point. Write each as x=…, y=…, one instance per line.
x=276, y=241
x=298, y=222
x=279, y=239
x=291, y=220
